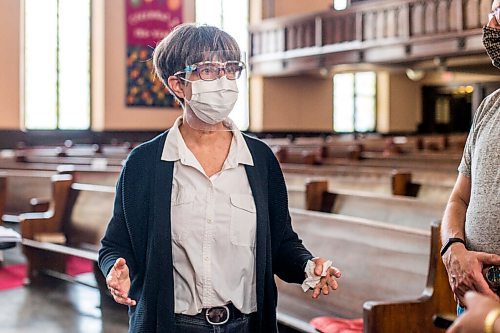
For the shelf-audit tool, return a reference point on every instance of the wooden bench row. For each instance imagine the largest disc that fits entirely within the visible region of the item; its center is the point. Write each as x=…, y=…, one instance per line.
x=380, y=262
x=30, y=190
x=316, y=155
x=376, y=142
x=393, y=276
x=69, y=149
x=73, y=226
x=424, y=186
x=404, y=211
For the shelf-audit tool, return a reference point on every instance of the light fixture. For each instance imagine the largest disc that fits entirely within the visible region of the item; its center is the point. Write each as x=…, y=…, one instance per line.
x=415, y=74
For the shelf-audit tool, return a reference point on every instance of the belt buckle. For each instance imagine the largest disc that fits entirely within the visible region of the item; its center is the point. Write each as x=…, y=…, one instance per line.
x=210, y=312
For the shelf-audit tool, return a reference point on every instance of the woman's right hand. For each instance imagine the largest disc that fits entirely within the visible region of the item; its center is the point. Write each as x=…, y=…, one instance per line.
x=465, y=271
x=118, y=281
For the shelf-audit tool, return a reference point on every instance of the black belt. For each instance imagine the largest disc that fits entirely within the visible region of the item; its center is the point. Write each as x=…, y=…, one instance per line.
x=219, y=315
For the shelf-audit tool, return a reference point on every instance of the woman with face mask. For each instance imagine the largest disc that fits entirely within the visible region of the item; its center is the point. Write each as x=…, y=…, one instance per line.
x=469, y=230
x=201, y=223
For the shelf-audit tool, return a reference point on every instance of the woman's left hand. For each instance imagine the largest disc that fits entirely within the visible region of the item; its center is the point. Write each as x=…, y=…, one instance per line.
x=326, y=282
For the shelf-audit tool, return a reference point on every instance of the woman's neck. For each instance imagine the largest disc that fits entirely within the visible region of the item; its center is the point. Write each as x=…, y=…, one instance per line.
x=201, y=137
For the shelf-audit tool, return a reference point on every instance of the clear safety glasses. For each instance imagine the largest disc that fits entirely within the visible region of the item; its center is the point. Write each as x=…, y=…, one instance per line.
x=212, y=70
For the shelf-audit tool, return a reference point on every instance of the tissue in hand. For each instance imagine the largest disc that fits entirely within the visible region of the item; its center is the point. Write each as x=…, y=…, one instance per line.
x=312, y=279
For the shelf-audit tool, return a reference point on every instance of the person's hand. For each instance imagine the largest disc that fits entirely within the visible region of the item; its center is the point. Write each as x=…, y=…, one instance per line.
x=465, y=271
x=326, y=281
x=472, y=320
x=118, y=281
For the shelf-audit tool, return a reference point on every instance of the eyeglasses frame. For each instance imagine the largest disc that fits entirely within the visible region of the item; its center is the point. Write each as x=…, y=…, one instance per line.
x=222, y=66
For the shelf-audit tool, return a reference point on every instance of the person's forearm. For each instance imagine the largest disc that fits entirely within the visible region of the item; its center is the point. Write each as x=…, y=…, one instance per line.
x=453, y=224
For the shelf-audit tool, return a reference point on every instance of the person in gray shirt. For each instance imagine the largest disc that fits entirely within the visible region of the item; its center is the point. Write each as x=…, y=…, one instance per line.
x=470, y=228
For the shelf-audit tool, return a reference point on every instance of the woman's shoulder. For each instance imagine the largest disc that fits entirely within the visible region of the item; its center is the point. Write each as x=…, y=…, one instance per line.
x=146, y=151
x=262, y=154
x=256, y=144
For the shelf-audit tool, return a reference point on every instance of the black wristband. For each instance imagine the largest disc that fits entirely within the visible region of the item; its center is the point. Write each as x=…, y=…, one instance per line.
x=449, y=242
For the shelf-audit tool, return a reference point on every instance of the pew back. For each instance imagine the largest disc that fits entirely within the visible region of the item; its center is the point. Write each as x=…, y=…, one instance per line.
x=378, y=262
x=22, y=186
x=414, y=315
x=76, y=223
x=392, y=209
x=379, y=183
x=87, y=214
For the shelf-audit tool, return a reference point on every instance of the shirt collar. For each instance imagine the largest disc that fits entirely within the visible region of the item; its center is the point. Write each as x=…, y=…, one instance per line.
x=175, y=148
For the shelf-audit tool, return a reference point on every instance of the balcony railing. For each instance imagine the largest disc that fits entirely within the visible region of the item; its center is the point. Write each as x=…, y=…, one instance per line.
x=374, y=32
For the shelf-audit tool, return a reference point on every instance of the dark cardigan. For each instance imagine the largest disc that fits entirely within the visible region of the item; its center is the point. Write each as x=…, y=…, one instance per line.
x=139, y=231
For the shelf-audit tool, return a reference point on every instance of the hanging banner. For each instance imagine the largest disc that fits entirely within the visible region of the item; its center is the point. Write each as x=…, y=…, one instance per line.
x=147, y=23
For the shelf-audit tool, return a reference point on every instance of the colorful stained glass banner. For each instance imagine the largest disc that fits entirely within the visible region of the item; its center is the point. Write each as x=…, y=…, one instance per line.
x=147, y=22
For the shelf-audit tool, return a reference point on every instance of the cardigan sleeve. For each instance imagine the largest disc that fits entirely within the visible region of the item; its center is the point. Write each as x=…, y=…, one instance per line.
x=291, y=257
x=116, y=241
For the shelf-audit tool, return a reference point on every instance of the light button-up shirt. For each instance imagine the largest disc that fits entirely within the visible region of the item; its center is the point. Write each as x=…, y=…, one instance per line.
x=213, y=223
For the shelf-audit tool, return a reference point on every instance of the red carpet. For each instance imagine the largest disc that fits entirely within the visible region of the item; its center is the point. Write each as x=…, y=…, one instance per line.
x=12, y=276
x=337, y=325
x=76, y=266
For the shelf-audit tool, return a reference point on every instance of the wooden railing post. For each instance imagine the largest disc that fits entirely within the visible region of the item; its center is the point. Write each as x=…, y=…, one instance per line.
x=318, y=33
x=359, y=26
x=460, y=15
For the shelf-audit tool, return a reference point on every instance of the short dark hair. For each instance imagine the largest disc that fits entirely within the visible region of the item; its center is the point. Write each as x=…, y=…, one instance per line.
x=190, y=41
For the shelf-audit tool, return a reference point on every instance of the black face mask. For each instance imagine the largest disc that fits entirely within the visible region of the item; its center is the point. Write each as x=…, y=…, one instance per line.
x=491, y=42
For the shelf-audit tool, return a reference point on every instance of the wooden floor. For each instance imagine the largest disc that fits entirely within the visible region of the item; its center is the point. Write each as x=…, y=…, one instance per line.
x=55, y=306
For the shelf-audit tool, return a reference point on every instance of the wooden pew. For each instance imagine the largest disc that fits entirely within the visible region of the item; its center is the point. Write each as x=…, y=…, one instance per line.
x=398, y=162
x=26, y=191
x=81, y=174
x=404, y=315
x=378, y=261
x=3, y=195
x=398, y=210
x=430, y=187
x=98, y=161
x=76, y=150
x=73, y=226
x=86, y=174
x=373, y=150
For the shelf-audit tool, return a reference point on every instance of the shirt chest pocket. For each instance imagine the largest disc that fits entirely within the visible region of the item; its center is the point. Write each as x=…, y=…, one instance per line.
x=243, y=220
x=182, y=203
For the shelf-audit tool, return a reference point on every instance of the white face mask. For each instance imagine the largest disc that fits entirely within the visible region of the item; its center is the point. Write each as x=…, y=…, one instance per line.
x=212, y=101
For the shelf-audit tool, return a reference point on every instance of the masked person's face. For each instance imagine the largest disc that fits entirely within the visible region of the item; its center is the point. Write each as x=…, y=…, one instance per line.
x=491, y=34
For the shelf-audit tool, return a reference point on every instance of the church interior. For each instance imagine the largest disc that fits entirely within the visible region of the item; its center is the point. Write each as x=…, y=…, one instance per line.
x=366, y=104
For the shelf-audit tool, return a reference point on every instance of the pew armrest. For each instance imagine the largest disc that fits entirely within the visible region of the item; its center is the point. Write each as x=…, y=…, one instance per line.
x=399, y=316
x=39, y=204
x=392, y=317
x=37, y=223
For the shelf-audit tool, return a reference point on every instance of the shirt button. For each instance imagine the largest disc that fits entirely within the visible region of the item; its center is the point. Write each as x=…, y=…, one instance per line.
x=206, y=258
x=209, y=220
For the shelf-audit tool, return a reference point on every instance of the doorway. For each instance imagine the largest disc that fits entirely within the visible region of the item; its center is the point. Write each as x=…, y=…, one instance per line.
x=447, y=109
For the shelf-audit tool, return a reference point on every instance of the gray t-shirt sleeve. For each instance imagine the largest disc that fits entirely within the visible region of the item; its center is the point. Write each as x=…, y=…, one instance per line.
x=465, y=163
